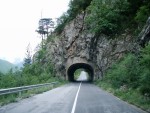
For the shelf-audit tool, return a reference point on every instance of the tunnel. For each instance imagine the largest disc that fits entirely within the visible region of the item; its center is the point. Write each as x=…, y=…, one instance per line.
x=87, y=67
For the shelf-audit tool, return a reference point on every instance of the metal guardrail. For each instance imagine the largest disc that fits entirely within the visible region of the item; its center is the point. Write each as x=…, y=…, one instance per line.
x=23, y=88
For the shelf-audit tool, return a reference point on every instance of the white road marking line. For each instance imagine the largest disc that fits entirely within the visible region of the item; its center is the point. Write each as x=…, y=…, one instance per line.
x=75, y=101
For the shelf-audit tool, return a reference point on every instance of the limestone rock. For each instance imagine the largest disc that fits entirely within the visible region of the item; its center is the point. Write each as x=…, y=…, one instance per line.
x=78, y=45
x=144, y=36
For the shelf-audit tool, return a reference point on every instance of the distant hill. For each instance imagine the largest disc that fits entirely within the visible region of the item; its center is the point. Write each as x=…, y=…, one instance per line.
x=5, y=66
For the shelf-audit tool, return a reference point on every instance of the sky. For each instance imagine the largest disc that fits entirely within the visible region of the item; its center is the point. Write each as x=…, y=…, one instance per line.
x=19, y=21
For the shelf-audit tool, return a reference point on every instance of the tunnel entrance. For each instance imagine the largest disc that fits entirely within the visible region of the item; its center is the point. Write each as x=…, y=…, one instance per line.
x=83, y=66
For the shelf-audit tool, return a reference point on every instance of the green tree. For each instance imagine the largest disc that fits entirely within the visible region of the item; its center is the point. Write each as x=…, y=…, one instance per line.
x=75, y=8
x=145, y=73
x=28, y=58
x=124, y=72
x=106, y=17
x=45, y=27
x=142, y=14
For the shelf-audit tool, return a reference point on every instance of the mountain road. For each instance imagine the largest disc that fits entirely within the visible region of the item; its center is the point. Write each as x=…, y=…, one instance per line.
x=79, y=97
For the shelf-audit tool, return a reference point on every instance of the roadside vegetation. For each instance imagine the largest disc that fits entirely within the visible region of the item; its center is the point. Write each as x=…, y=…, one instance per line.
x=34, y=71
x=15, y=97
x=129, y=79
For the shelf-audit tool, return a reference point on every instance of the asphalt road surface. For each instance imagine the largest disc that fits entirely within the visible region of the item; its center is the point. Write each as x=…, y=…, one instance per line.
x=78, y=97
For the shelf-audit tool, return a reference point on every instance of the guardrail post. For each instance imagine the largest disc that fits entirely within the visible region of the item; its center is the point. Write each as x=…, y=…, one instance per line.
x=20, y=94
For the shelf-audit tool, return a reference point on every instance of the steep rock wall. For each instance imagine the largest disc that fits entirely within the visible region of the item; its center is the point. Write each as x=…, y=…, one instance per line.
x=76, y=42
x=144, y=36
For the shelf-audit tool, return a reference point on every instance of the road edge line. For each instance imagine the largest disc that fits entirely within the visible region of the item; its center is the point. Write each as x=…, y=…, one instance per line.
x=75, y=100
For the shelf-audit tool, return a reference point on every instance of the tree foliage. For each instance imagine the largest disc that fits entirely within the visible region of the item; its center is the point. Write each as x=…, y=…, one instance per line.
x=124, y=72
x=61, y=22
x=106, y=16
x=142, y=14
x=27, y=59
x=75, y=8
x=132, y=71
x=32, y=72
x=139, y=11
x=45, y=24
x=145, y=70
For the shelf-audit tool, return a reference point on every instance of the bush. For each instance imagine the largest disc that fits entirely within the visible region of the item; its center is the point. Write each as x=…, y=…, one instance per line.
x=142, y=14
x=145, y=71
x=106, y=17
x=75, y=7
x=61, y=23
x=125, y=72
x=132, y=72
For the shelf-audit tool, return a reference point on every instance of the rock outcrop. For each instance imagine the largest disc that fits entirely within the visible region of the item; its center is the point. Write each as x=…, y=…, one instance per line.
x=144, y=36
x=76, y=44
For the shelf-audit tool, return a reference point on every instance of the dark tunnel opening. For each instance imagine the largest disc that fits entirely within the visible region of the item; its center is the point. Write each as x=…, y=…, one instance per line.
x=87, y=68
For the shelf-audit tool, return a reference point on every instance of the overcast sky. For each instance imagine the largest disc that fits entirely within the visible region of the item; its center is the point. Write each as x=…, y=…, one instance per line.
x=18, y=22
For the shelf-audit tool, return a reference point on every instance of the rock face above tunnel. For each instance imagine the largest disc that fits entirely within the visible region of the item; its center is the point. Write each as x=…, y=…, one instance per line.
x=77, y=45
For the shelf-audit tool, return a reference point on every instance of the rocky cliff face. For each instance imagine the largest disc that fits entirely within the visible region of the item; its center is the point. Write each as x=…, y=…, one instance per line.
x=144, y=36
x=76, y=42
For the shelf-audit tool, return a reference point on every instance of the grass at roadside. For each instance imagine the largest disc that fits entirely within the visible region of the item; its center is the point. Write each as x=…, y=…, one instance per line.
x=129, y=95
x=10, y=98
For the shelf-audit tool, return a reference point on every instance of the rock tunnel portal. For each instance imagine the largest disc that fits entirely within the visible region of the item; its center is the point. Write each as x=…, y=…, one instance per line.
x=87, y=67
